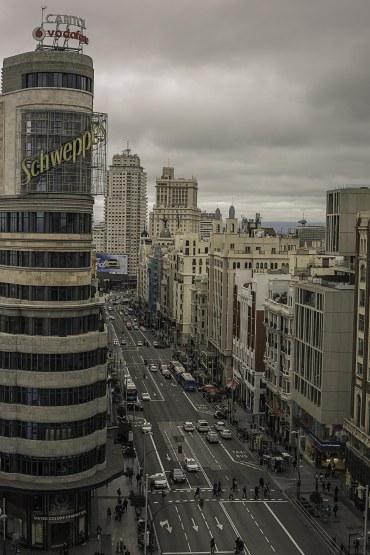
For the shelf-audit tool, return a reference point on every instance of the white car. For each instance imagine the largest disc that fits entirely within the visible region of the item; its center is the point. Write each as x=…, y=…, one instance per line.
x=188, y=427
x=191, y=465
x=146, y=428
x=145, y=397
x=202, y=426
x=139, y=343
x=159, y=481
x=220, y=425
x=212, y=437
x=153, y=368
x=115, y=342
x=226, y=434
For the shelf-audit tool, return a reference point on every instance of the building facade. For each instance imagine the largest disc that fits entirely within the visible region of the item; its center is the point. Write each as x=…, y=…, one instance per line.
x=99, y=233
x=358, y=424
x=279, y=356
x=207, y=223
x=176, y=204
x=125, y=207
x=244, y=253
x=323, y=341
x=53, y=344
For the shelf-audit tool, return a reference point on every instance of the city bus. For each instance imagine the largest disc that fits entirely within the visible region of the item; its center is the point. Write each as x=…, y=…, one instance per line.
x=177, y=372
x=187, y=381
x=129, y=391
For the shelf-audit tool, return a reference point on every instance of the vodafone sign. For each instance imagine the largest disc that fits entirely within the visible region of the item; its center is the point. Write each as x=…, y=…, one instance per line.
x=60, y=29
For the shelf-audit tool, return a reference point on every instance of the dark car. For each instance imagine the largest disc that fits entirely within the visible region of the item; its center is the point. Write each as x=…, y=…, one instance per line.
x=220, y=414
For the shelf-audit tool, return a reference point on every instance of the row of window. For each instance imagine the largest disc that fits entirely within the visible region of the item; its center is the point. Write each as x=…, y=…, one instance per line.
x=45, y=222
x=46, y=397
x=53, y=431
x=45, y=259
x=51, y=466
x=52, y=362
x=56, y=79
x=45, y=293
x=50, y=326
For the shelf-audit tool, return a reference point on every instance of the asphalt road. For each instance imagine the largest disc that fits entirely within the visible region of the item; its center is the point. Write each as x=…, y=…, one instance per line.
x=266, y=525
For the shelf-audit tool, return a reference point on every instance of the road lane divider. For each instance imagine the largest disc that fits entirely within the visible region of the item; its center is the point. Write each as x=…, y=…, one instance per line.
x=284, y=529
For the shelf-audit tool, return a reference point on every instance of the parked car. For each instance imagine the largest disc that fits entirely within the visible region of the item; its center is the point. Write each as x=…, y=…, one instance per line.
x=145, y=396
x=226, y=434
x=153, y=368
x=178, y=475
x=166, y=374
x=188, y=427
x=212, y=437
x=202, y=426
x=191, y=465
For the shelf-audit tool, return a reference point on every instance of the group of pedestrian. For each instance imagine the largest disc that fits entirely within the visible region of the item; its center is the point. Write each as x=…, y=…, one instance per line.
x=121, y=549
x=120, y=508
x=217, y=489
x=262, y=487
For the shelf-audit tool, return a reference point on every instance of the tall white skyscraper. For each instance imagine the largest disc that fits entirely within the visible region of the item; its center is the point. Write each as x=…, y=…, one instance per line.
x=176, y=204
x=125, y=207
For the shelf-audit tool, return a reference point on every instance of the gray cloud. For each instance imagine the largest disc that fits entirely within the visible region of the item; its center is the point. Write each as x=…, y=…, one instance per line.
x=267, y=103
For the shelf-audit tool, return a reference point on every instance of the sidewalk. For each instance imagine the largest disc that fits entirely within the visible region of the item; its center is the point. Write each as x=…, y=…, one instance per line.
x=348, y=523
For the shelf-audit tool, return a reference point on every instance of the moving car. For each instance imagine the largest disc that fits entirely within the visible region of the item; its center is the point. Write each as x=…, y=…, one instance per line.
x=188, y=427
x=145, y=396
x=139, y=343
x=136, y=328
x=155, y=344
x=212, y=437
x=220, y=414
x=123, y=342
x=164, y=367
x=146, y=428
x=115, y=342
x=159, y=481
x=220, y=425
x=178, y=475
x=191, y=465
x=153, y=368
x=166, y=374
x=202, y=426
x=226, y=434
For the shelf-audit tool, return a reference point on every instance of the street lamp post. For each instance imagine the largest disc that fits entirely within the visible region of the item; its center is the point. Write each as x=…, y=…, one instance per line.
x=365, y=517
x=146, y=515
x=296, y=433
x=3, y=517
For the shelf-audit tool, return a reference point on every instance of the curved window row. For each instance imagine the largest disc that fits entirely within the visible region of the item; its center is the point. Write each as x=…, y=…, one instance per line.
x=51, y=466
x=45, y=259
x=45, y=293
x=45, y=222
x=52, y=431
x=45, y=397
x=56, y=79
x=53, y=362
x=50, y=326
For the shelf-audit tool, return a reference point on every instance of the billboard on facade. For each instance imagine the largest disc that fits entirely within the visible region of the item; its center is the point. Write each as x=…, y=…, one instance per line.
x=111, y=263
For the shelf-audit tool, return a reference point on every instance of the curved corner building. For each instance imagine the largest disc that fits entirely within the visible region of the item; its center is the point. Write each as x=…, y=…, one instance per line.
x=53, y=344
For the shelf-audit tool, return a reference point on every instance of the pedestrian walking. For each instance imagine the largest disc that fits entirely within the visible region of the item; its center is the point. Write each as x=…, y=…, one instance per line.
x=244, y=492
x=256, y=492
x=235, y=485
x=316, y=476
x=109, y=512
x=357, y=545
x=323, y=486
x=262, y=482
x=328, y=486
x=124, y=504
x=119, y=493
x=335, y=510
x=212, y=544
x=321, y=476
x=231, y=494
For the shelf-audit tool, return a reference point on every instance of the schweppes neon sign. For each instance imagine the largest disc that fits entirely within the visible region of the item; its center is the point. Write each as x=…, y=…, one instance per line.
x=70, y=151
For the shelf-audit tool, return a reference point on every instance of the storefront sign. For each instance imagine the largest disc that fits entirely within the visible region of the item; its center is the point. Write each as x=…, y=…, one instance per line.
x=59, y=518
x=68, y=152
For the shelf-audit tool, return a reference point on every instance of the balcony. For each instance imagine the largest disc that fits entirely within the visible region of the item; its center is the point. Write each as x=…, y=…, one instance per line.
x=356, y=432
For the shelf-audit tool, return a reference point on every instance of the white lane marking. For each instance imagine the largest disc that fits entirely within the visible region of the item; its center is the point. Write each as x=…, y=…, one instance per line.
x=159, y=458
x=182, y=526
x=176, y=457
x=243, y=463
x=285, y=530
x=201, y=467
x=194, y=407
x=192, y=552
x=246, y=550
x=153, y=380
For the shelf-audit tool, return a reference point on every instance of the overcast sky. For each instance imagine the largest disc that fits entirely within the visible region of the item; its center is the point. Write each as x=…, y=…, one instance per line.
x=266, y=102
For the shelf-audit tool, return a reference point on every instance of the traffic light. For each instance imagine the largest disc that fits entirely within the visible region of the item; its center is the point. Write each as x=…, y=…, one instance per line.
x=179, y=449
